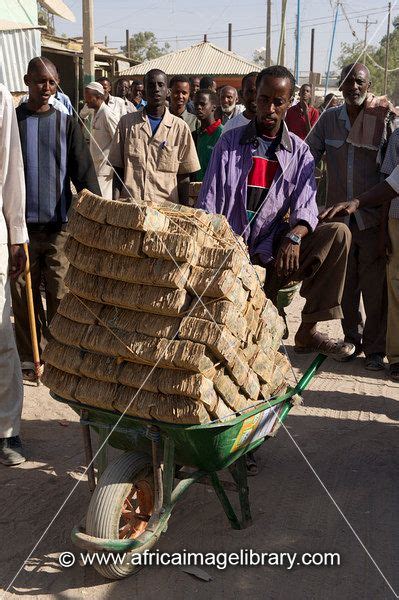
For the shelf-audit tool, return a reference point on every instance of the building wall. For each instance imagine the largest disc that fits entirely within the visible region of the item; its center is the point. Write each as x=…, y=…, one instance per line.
x=17, y=48
x=19, y=12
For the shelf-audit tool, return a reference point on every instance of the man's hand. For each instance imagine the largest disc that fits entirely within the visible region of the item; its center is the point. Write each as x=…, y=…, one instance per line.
x=17, y=260
x=304, y=107
x=342, y=209
x=287, y=261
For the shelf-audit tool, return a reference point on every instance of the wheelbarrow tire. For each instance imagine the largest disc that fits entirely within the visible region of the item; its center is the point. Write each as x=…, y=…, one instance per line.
x=105, y=509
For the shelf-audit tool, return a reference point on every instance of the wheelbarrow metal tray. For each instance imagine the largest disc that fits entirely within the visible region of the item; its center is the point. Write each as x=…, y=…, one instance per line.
x=208, y=447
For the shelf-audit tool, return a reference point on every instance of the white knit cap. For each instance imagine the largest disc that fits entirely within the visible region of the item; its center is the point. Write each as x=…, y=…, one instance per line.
x=95, y=87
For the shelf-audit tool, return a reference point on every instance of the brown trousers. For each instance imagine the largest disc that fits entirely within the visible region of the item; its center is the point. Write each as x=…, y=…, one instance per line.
x=322, y=267
x=48, y=265
x=366, y=279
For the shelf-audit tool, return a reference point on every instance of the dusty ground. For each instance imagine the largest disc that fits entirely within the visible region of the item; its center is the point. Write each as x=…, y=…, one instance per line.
x=348, y=431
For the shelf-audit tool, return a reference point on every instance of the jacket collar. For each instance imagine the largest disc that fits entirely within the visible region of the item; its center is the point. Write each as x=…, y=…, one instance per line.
x=167, y=118
x=250, y=134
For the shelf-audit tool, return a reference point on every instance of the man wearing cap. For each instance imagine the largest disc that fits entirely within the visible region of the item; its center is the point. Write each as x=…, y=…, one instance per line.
x=103, y=128
x=153, y=152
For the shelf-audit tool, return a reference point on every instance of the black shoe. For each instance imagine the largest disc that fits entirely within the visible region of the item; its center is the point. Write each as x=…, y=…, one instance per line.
x=11, y=451
x=375, y=362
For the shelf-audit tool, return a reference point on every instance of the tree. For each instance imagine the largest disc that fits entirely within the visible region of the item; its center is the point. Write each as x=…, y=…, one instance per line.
x=144, y=46
x=259, y=56
x=375, y=61
x=44, y=18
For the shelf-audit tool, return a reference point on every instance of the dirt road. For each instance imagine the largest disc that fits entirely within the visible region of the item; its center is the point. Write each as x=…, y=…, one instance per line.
x=347, y=430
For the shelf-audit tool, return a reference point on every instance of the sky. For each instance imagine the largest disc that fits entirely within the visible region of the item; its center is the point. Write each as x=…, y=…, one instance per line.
x=183, y=24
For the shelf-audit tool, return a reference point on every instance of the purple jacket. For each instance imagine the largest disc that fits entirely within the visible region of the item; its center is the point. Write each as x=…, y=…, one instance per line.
x=224, y=189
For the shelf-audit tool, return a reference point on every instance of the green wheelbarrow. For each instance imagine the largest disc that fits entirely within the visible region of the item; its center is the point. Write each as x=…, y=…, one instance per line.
x=134, y=497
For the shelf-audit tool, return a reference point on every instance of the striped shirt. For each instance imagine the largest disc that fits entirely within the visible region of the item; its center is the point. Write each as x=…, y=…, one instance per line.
x=54, y=153
x=351, y=170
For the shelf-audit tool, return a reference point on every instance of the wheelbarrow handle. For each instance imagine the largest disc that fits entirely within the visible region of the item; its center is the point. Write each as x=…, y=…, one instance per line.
x=309, y=374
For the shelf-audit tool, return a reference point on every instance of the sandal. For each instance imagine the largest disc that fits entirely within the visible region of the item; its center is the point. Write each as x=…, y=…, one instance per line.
x=324, y=345
x=374, y=362
x=394, y=372
x=252, y=467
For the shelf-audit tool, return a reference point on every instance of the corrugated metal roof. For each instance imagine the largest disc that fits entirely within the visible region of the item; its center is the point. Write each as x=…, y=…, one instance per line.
x=201, y=59
x=17, y=48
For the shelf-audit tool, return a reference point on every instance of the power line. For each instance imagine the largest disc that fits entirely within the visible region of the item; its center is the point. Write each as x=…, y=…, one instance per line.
x=261, y=29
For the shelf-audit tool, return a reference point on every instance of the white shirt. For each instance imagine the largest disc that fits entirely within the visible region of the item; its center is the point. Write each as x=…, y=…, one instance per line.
x=104, y=125
x=115, y=104
x=237, y=121
x=12, y=180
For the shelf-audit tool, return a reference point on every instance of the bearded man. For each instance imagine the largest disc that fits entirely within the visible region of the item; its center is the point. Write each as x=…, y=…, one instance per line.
x=353, y=137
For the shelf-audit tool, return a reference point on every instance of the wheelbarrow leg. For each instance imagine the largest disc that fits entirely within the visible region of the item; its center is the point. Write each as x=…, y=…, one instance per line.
x=102, y=453
x=91, y=479
x=228, y=509
x=239, y=473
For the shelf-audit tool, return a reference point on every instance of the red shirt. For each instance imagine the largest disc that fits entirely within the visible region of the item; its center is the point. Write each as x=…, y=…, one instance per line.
x=295, y=119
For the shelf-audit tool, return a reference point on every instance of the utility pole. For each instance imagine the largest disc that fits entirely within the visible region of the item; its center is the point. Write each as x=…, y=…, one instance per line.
x=331, y=47
x=268, y=52
x=366, y=24
x=230, y=36
x=311, y=50
x=127, y=43
x=387, y=50
x=88, y=41
x=281, y=45
x=311, y=75
x=297, y=35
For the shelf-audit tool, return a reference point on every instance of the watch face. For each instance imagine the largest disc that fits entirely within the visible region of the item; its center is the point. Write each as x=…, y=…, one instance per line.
x=296, y=239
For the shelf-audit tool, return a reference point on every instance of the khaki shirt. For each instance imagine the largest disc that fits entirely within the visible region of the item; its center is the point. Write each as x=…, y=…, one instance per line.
x=103, y=129
x=152, y=163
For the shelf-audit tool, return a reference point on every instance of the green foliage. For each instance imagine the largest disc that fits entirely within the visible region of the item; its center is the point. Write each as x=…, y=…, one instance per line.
x=351, y=53
x=144, y=46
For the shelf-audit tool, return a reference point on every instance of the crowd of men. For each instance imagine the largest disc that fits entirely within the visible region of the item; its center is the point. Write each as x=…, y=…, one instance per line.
x=255, y=152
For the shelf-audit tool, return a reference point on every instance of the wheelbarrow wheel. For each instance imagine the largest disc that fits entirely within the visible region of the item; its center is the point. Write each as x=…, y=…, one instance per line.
x=121, y=506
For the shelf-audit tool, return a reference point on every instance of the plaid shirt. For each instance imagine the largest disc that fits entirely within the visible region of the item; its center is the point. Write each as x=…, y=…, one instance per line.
x=351, y=170
x=391, y=161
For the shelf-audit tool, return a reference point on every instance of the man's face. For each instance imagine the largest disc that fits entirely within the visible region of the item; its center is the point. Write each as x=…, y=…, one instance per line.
x=92, y=99
x=249, y=94
x=195, y=85
x=123, y=88
x=204, y=107
x=137, y=91
x=354, y=85
x=305, y=94
x=180, y=94
x=42, y=83
x=273, y=98
x=156, y=89
x=228, y=99
x=106, y=87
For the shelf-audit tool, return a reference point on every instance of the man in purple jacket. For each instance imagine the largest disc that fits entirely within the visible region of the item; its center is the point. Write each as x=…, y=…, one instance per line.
x=257, y=174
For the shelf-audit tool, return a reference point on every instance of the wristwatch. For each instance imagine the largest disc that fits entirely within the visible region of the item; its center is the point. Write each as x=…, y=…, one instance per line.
x=295, y=239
